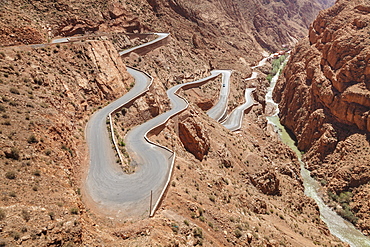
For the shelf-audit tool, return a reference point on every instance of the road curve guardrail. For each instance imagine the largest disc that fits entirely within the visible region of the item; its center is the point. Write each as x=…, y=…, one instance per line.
x=139, y=94
x=152, y=157
x=151, y=45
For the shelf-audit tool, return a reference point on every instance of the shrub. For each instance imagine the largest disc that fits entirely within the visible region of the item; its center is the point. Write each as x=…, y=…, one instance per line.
x=2, y=108
x=212, y=198
x=347, y=214
x=74, y=210
x=15, y=153
x=26, y=215
x=345, y=197
x=52, y=215
x=15, y=235
x=2, y=214
x=14, y=90
x=37, y=173
x=13, y=103
x=38, y=81
x=32, y=139
x=198, y=233
x=10, y=175
x=333, y=196
x=238, y=233
x=201, y=211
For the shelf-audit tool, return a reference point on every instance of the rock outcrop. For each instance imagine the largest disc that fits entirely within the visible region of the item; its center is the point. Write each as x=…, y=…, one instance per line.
x=194, y=137
x=47, y=96
x=266, y=181
x=324, y=98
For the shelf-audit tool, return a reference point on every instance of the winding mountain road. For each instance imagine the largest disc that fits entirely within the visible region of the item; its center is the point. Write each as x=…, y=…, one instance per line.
x=235, y=119
x=161, y=36
x=219, y=111
x=140, y=193
x=107, y=185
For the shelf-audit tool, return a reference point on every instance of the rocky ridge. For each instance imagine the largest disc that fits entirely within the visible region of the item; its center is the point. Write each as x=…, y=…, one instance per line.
x=324, y=100
x=46, y=98
x=269, y=23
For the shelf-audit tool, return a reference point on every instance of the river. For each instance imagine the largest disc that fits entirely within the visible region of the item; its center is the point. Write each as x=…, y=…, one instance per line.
x=339, y=227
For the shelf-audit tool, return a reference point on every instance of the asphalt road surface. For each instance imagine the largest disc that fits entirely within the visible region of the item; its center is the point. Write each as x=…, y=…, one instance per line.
x=106, y=183
x=218, y=112
x=235, y=119
x=129, y=194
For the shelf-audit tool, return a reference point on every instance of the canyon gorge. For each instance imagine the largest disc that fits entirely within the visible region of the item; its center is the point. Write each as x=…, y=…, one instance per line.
x=324, y=102
x=241, y=188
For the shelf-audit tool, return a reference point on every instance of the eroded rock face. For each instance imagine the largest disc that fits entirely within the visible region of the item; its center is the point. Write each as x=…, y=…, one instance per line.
x=266, y=181
x=257, y=205
x=271, y=23
x=194, y=137
x=114, y=17
x=324, y=99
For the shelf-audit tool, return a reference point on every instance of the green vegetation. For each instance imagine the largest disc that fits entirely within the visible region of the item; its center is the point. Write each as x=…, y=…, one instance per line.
x=175, y=228
x=10, y=175
x=198, y=233
x=37, y=173
x=276, y=64
x=74, y=210
x=15, y=235
x=51, y=215
x=2, y=214
x=26, y=215
x=14, y=90
x=344, y=199
x=64, y=147
x=7, y=123
x=238, y=233
x=32, y=139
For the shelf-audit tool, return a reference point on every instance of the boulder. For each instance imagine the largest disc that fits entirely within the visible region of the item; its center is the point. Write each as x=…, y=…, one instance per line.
x=194, y=137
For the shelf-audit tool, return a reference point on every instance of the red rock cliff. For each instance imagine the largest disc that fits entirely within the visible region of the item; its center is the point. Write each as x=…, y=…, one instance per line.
x=324, y=98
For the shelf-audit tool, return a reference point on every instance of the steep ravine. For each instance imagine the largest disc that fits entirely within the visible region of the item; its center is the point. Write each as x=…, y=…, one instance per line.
x=339, y=227
x=324, y=100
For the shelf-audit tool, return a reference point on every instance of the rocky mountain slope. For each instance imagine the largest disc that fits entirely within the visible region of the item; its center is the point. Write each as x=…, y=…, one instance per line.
x=227, y=188
x=324, y=99
x=268, y=23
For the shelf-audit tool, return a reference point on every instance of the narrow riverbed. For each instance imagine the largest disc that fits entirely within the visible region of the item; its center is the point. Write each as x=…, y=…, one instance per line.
x=339, y=227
